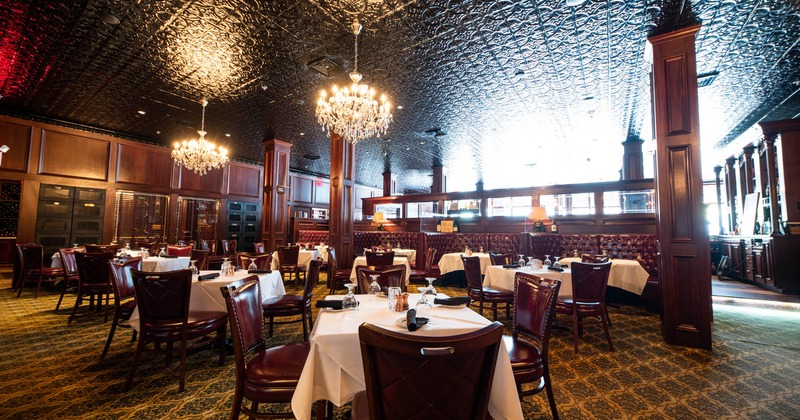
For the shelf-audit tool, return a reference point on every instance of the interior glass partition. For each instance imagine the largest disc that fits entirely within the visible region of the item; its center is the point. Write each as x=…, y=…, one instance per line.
x=139, y=217
x=197, y=219
x=627, y=202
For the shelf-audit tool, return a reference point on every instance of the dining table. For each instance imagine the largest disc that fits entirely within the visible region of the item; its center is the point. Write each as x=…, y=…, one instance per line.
x=304, y=257
x=207, y=296
x=452, y=262
x=334, y=371
x=362, y=260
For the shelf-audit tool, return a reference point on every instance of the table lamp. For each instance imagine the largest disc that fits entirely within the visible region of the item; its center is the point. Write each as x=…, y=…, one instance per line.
x=536, y=216
x=379, y=218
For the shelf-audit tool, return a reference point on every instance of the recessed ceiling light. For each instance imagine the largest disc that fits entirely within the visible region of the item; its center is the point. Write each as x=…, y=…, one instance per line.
x=302, y=134
x=109, y=19
x=227, y=135
x=142, y=112
x=408, y=148
x=399, y=106
x=158, y=132
x=574, y=3
x=311, y=157
x=422, y=142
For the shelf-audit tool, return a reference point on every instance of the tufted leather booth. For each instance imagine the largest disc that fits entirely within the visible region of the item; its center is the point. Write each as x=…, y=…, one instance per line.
x=312, y=236
x=408, y=240
x=445, y=243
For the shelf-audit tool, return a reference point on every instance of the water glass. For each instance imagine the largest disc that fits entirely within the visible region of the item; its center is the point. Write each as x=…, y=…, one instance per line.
x=393, y=293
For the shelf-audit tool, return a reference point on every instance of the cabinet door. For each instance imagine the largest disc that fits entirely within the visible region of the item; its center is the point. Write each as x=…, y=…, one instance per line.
x=758, y=264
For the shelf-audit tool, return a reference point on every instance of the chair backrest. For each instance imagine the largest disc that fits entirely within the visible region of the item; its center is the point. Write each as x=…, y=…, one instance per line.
x=589, y=281
x=379, y=258
x=179, y=250
x=263, y=261
x=388, y=276
x=68, y=262
x=502, y=259
x=393, y=363
x=535, y=307
x=246, y=317
x=287, y=255
x=209, y=245
x=312, y=279
x=93, y=267
x=228, y=246
x=260, y=248
x=472, y=271
x=162, y=297
x=32, y=257
x=151, y=247
x=430, y=254
x=200, y=258
x=94, y=248
x=594, y=259
x=122, y=282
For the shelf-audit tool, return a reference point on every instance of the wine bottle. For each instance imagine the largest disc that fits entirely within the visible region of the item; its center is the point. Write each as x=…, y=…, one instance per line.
x=554, y=227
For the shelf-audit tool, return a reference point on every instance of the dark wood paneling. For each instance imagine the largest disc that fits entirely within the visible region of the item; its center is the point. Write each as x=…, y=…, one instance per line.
x=144, y=165
x=677, y=117
x=302, y=190
x=244, y=180
x=18, y=138
x=74, y=156
x=275, y=209
x=210, y=182
x=680, y=192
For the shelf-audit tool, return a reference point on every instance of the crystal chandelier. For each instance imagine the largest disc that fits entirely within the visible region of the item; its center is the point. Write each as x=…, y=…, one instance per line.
x=200, y=155
x=353, y=112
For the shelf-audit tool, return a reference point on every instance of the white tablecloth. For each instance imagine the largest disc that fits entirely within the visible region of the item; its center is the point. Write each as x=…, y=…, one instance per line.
x=303, y=258
x=206, y=295
x=323, y=251
x=362, y=260
x=498, y=277
x=452, y=262
x=334, y=371
x=159, y=264
x=625, y=274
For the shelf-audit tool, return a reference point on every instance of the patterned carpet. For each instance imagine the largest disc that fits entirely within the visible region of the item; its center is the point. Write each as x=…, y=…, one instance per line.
x=51, y=370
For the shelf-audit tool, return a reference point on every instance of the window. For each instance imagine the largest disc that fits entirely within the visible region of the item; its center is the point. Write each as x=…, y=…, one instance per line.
x=627, y=202
x=139, y=216
x=510, y=206
x=568, y=204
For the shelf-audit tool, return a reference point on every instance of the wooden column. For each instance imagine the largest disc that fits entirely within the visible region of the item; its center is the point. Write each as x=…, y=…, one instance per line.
x=772, y=173
x=389, y=183
x=730, y=183
x=746, y=170
x=438, y=185
x=685, y=255
x=342, y=199
x=718, y=184
x=275, y=207
x=632, y=159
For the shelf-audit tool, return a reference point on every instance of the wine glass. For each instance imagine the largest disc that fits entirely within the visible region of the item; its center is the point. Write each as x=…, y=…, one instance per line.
x=556, y=264
x=521, y=261
x=349, y=302
x=530, y=262
x=163, y=252
x=193, y=267
x=374, y=288
x=423, y=306
x=546, y=261
x=252, y=265
x=431, y=289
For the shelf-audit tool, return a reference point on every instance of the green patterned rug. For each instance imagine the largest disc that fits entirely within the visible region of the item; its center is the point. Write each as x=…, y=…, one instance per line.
x=51, y=370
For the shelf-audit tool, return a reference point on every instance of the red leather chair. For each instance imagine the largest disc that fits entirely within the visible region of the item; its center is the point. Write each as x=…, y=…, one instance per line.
x=180, y=250
x=589, y=282
x=388, y=276
x=427, y=271
x=502, y=259
x=393, y=362
x=93, y=278
x=534, y=310
x=151, y=247
x=294, y=305
x=95, y=248
x=270, y=375
x=336, y=276
x=594, y=259
x=228, y=249
x=482, y=294
x=31, y=259
x=287, y=262
x=165, y=317
x=70, y=267
x=209, y=245
x=379, y=258
x=124, y=296
x=263, y=261
x=260, y=248
x=200, y=258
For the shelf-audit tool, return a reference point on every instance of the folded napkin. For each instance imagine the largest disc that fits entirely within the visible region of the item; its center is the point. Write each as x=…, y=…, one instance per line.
x=453, y=301
x=412, y=322
x=555, y=268
x=170, y=256
x=510, y=265
x=334, y=304
x=259, y=271
x=207, y=276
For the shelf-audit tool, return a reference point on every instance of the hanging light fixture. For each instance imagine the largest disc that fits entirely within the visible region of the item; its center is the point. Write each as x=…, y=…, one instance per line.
x=200, y=155
x=353, y=112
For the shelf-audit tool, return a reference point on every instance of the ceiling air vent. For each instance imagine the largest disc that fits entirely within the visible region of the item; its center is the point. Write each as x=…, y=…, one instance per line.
x=706, y=79
x=311, y=157
x=325, y=66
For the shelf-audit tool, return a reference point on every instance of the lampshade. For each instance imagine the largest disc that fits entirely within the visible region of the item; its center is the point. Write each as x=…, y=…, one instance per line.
x=537, y=213
x=378, y=217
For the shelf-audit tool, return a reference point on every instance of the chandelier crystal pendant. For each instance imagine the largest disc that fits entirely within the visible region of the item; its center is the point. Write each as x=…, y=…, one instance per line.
x=200, y=155
x=354, y=112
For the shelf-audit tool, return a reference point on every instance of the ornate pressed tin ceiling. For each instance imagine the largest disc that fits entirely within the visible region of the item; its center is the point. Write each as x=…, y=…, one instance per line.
x=500, y=91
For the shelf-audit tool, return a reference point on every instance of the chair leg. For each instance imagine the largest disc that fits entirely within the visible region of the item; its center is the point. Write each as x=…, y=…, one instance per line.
x=221, y=335
x=183, y=363
x=303, y=320
x=605, y=322
x=550, y=397
x=575, y=329
x=78, y=301
x=608, y=318
x=271, y=320
x=63, y=292
x=111, y=334
x=38, y=285
x=238, y=398
x=494, y=310
x=136, y=356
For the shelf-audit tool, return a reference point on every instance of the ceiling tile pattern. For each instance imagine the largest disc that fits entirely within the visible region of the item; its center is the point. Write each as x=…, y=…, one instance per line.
x=493, y=90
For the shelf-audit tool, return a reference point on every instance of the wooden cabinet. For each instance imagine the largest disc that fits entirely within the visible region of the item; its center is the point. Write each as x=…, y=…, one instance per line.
x=763, y=260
